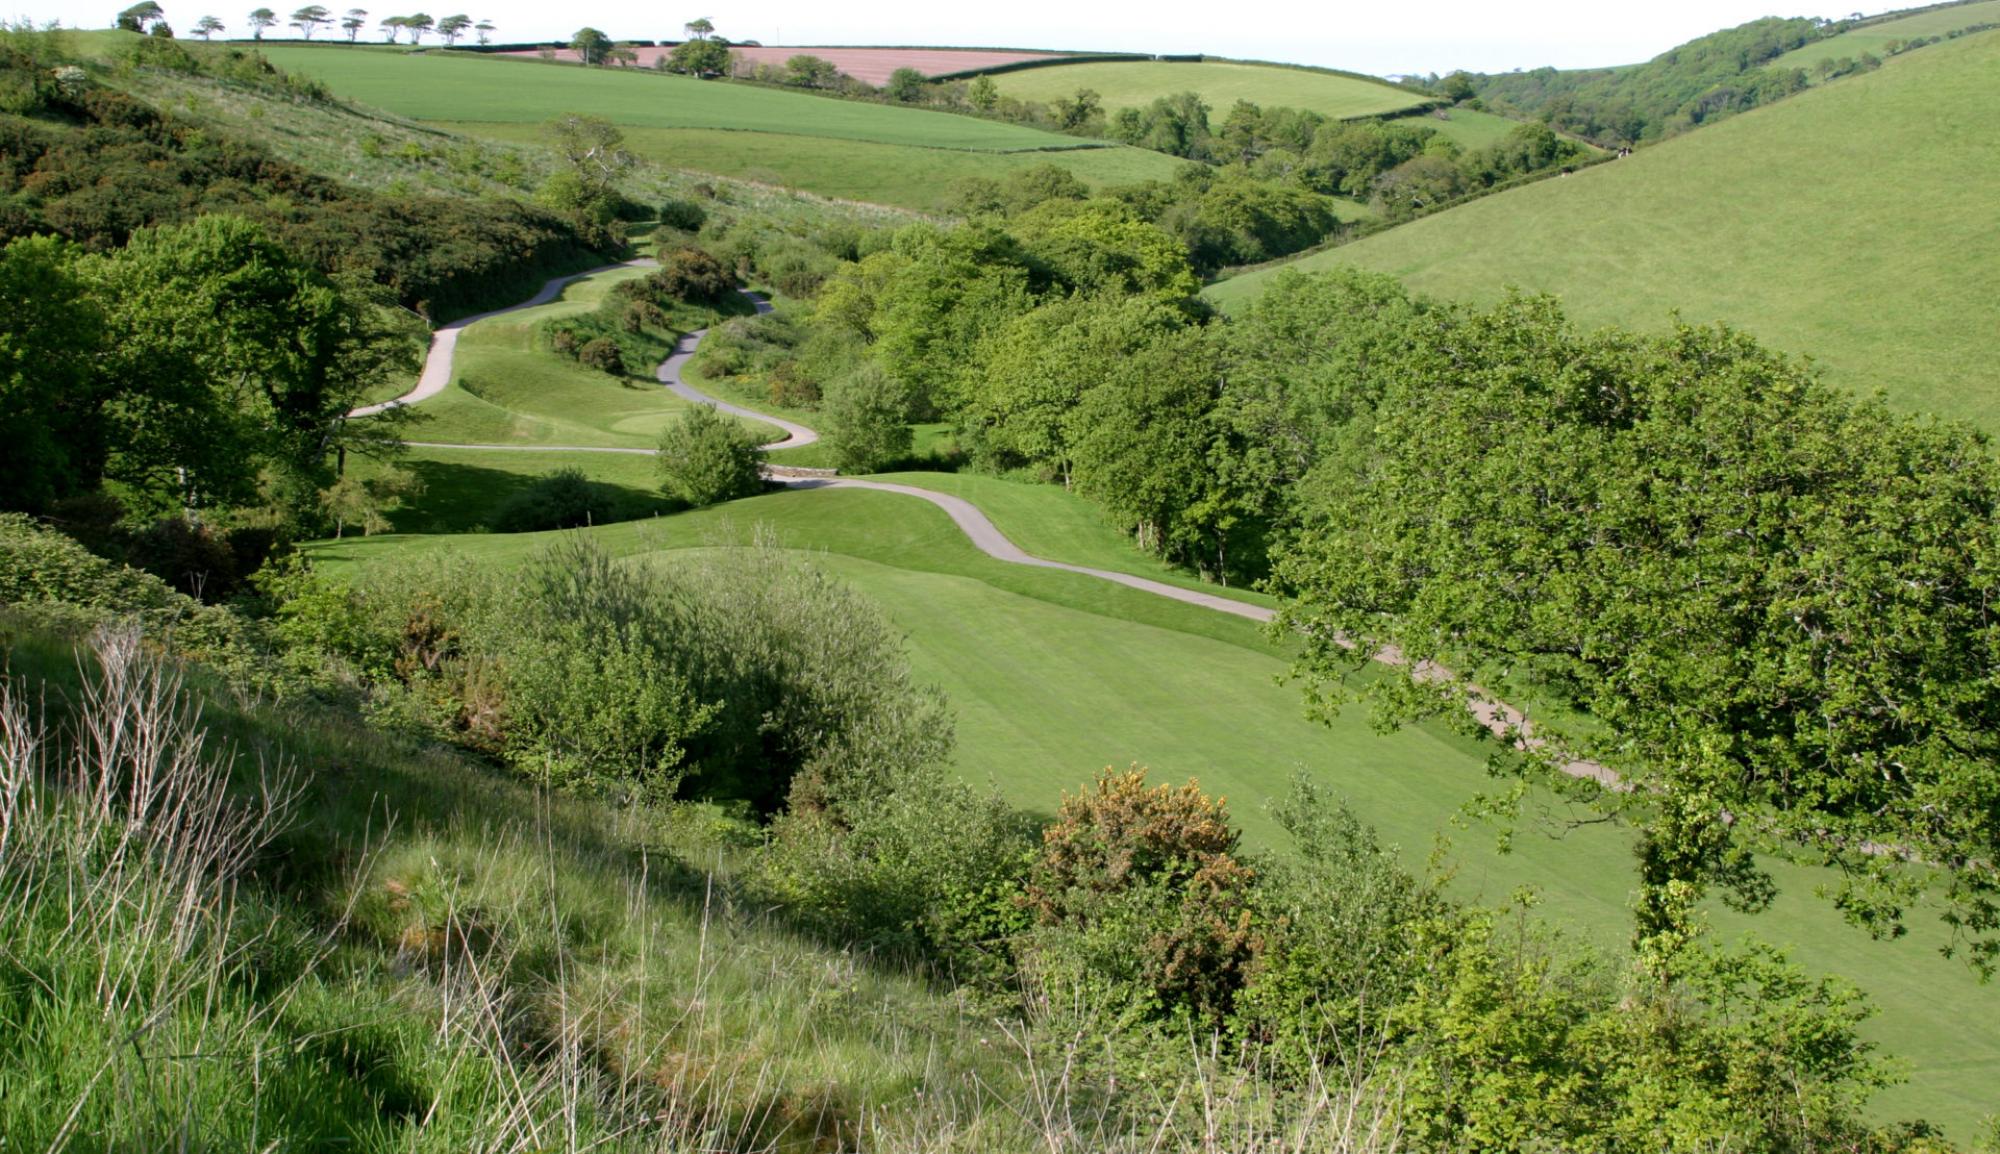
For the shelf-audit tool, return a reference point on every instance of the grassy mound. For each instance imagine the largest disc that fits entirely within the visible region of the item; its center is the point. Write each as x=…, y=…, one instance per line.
x=1852, y=223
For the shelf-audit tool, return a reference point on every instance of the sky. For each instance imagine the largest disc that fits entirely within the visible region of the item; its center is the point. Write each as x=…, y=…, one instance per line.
x=1373, y=37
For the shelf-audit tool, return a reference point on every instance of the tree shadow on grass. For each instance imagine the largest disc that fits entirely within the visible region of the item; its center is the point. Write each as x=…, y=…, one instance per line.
x=464, y=497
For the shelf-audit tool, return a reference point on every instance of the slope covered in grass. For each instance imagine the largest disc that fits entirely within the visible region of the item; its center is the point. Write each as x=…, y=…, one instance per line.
x=437, y=86
x=904, y=176
x=1128, y=84
x=1876, y=37
x=1853, y=223
x=848, y=149
x=1052, y=675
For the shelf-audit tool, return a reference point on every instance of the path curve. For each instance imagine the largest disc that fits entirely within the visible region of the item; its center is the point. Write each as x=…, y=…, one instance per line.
x=1497, y=716
x=669, y=374
x=436, y=375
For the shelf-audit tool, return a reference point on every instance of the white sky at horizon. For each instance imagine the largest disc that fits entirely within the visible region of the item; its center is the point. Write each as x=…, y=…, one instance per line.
x=1364, y=37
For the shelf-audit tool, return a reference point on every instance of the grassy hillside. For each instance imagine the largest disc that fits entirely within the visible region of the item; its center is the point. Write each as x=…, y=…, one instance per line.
x=1877, y=37
x=1853, y=223
x=905, y=156
x=886, y=174
x=1052, y=675
x=1125, y=84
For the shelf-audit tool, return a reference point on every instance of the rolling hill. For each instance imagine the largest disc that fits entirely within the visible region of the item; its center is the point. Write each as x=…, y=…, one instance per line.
x=840, y=148
x=1876, y=36
x=1126, y=84
x=1852, y=223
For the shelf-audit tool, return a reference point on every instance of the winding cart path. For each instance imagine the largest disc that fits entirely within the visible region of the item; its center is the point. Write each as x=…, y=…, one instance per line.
x=1498, y=717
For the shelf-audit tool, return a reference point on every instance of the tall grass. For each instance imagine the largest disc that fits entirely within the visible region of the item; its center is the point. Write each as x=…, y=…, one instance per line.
x=368, y=946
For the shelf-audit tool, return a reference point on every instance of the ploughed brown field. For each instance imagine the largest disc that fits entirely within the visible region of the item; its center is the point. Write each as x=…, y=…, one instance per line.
x=869, y=65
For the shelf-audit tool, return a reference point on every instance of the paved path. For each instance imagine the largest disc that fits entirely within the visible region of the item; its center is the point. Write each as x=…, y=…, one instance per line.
x=436, y=375
x=1498, y=717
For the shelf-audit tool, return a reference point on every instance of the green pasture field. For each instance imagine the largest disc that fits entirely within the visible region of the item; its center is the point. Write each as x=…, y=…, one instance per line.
x=1127, y=84
x=445, y=86
x=1876, y=37
x=905, y=176
x=1854, y=223
x=1054, y=675
x=1469, y=128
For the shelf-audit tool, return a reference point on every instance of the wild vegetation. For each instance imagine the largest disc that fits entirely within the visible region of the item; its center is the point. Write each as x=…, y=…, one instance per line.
x=774, y=820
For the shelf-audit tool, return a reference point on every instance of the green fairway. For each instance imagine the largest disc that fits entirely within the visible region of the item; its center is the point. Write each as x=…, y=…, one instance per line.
x=1876, y=38
x=439, y=86
x=507, y=389
x=903, y=175
x=1126, y=84
x=1853, y=223
x=1053, y=675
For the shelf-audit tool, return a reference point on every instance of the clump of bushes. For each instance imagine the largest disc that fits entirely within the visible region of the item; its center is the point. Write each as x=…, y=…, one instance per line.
x=690, y=275
x=564, y=499
x=706, y=457
x=603, y=355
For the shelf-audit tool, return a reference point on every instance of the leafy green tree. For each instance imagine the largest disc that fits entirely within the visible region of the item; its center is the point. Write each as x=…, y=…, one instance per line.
x=700, y=28
x=310, y=19
x=906, y=86
x=867, y=419
x=250, y=361
x=1458, y=87
x=809, y=71
x=485, y=31
x=392, y=27
x=418, y=25
x=367, y=502
x=208, y=26
x=453, y=27
x=1103, y=247
x=139, y=17
x=706, y=457
x=983, y=93
x=261, y=19
x=1077, y=112
x=592, y=147
x=51, y=397
x=1774, y=603
x=700, y=58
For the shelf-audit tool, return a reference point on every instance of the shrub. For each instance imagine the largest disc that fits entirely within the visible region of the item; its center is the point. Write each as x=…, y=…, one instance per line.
x=1142, y=886
x=602, y=354
x=563, y=499
x=706, y=457
x=693, y=276
x=684, y=215
x=867, y=419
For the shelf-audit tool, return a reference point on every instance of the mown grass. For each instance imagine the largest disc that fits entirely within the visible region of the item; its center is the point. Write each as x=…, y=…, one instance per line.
x=1127, y=84
x=1875, y=38
x=440, y=86
x=905, y=176
x=508, y=388
x=1853, y=223
x=1053, y=675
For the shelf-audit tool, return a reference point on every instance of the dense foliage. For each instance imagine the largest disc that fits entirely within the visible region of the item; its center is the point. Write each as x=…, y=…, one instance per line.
x=199, y=365
x=1773, y=602
x=93, y=165
x=1700, y=81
